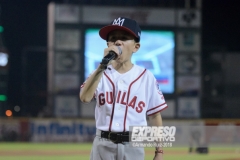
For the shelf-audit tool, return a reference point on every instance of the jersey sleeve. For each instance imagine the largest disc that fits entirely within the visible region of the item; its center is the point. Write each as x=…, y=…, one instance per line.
x=157, y=102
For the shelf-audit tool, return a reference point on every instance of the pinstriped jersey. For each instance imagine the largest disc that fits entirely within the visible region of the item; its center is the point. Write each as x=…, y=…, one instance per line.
x=124, y=100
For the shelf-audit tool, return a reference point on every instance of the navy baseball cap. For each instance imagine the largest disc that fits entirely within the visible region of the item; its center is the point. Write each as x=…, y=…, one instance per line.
x=121, y=23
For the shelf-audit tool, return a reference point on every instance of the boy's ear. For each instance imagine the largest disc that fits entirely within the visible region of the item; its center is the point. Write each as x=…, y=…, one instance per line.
x=137, y=46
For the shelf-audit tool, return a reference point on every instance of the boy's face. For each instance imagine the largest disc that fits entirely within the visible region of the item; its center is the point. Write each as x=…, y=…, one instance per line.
x=126, y=41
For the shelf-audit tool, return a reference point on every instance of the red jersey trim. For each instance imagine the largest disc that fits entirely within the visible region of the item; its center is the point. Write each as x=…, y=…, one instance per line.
x=158, y=111
x=110, y=125
x=156, y=107
x=128, y=99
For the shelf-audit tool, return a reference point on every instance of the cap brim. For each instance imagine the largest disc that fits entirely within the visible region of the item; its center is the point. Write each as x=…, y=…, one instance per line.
x=107, y=29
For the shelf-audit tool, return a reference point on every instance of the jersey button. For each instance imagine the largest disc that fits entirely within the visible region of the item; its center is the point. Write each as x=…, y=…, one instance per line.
x=117, y=124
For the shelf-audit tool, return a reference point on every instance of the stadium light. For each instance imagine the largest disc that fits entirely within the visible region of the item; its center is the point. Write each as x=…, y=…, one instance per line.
x=1, y=29
x=8, y=113
x=3, y=97
x=3, y=59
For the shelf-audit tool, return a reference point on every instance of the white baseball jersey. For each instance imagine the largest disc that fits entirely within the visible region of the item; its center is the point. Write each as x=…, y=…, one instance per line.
x=124, y=100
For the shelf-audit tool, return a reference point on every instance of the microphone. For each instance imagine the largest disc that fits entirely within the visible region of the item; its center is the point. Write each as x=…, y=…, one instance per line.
x=110, y=56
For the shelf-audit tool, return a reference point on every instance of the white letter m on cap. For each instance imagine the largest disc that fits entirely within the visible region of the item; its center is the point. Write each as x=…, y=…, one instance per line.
x=118, y=21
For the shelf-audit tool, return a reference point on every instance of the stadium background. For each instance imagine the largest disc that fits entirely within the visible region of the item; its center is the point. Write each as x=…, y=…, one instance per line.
x=28, y=114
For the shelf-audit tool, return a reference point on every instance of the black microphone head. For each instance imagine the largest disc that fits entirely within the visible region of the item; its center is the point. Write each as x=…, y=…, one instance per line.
x=113, y=54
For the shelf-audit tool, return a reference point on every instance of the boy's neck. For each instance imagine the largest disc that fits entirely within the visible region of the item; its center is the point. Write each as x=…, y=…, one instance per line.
x=122, y=67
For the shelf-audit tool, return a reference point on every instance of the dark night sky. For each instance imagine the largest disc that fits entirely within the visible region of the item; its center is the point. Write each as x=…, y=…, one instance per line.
x=25, y=23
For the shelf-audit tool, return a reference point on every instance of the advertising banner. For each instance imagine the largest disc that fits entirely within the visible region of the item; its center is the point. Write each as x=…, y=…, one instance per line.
x=66, y=83
x=67, y=13
x=146, y=16
x=188, y=85
x=188, y=42
x=188, y=64
x=189, y=18
x=59, y=130
x=67, y=39
x=67, y=61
